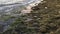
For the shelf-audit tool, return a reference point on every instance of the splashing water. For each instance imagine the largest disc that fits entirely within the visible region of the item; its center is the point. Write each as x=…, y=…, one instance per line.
x=11, y=5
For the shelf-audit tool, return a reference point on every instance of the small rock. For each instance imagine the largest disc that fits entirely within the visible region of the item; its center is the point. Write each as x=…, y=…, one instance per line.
x=45, y=7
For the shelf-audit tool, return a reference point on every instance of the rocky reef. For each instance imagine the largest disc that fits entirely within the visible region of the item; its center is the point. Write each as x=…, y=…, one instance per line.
x=43, y=19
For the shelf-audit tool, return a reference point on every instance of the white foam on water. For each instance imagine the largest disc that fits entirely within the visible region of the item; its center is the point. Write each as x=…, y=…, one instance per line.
x=28, y=8
x=5, y=4
x=10, y=1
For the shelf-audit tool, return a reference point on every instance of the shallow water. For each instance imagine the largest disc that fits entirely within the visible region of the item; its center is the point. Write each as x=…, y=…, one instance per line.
x=7, y=6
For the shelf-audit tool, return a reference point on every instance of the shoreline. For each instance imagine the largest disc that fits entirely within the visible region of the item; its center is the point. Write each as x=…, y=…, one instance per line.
x=28, y=8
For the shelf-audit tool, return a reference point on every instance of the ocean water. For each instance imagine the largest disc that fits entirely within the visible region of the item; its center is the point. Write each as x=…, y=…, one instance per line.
x=8, y=6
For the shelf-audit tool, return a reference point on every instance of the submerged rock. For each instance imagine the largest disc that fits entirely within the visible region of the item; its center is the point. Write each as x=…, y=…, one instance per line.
x=14, y=8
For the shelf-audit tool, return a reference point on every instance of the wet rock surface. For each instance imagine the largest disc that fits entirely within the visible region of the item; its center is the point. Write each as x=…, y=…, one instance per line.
x=44, y=19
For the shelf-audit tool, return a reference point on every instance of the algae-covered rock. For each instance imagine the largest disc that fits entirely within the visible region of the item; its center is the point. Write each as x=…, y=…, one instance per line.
x=45, y=19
